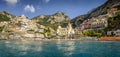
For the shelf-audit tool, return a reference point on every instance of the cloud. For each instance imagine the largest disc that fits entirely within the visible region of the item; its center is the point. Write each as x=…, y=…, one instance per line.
x=46, y=1
x=11, y=2
x=29, y=8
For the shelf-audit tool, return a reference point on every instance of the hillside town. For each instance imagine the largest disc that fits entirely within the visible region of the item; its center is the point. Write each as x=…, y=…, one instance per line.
x=98, y=23
x=20, y=27
x=59, y=28
x=23, y=28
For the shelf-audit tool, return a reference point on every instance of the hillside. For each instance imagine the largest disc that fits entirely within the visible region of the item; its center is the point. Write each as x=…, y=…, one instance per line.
x=5, y=16
x=52, y=21
x=114, y=22
x=96, y=12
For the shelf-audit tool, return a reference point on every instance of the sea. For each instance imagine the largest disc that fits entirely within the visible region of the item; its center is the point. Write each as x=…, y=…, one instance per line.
x=59, y=48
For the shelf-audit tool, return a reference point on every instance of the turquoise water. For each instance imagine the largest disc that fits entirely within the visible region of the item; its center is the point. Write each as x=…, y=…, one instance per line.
x=59, y=49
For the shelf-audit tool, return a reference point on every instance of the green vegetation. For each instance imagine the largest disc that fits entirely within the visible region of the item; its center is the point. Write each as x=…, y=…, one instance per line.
x=47, y=32
x=1, y=28
x=105, y=12
x=92, y=33
x=114, y=22
x=64, y=23
x=118, y=7
x=31, y=30
x=8, y=31
x=45, y=23
x=54, y=25
x=4, y=18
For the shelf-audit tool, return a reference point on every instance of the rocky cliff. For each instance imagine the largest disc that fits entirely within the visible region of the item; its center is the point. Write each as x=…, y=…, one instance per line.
x=5, y=16
x=96, y=12
x=52, y=21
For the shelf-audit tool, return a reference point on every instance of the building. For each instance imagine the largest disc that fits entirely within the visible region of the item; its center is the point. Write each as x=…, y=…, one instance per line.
x=2, y=23
x=109, y=33
x=86, y=24
x=24, y=23
x=112, y=10
x=117, y=33
x=114, y=33
x=99, y=23
x=65, y=31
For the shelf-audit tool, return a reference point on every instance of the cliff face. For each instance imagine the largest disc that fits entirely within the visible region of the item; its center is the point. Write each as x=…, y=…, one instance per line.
x=103, y=8
x=5, y=16
x=57, y=17
x=97, y=11
x=52, y=21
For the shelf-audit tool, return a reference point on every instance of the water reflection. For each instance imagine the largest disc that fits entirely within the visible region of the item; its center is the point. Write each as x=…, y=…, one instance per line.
x=59, y=49
x=24, y=47
x=67, y=47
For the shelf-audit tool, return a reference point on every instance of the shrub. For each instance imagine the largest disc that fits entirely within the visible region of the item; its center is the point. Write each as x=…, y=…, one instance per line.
x=4, y=18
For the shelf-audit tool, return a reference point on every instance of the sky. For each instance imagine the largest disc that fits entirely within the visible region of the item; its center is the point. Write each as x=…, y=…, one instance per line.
x=32, y=8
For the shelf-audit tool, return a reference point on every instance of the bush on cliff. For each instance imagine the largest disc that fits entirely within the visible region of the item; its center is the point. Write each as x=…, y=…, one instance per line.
x=92, y=33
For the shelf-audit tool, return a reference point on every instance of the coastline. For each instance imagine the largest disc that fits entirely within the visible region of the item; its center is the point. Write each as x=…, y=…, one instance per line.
x=38, y=39
x=109, y=38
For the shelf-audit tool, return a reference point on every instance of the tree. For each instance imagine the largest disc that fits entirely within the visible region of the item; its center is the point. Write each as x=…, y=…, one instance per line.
x=4, y=18
x=113, y=22
x=1, y=28
x=92, y=33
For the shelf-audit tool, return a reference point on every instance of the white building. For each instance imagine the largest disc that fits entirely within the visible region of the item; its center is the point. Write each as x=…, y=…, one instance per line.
x=117, y=33
x=65, y=31
x=24, y=23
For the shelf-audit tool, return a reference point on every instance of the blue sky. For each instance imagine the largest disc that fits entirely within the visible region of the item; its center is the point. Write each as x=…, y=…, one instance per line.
x=32, y=8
